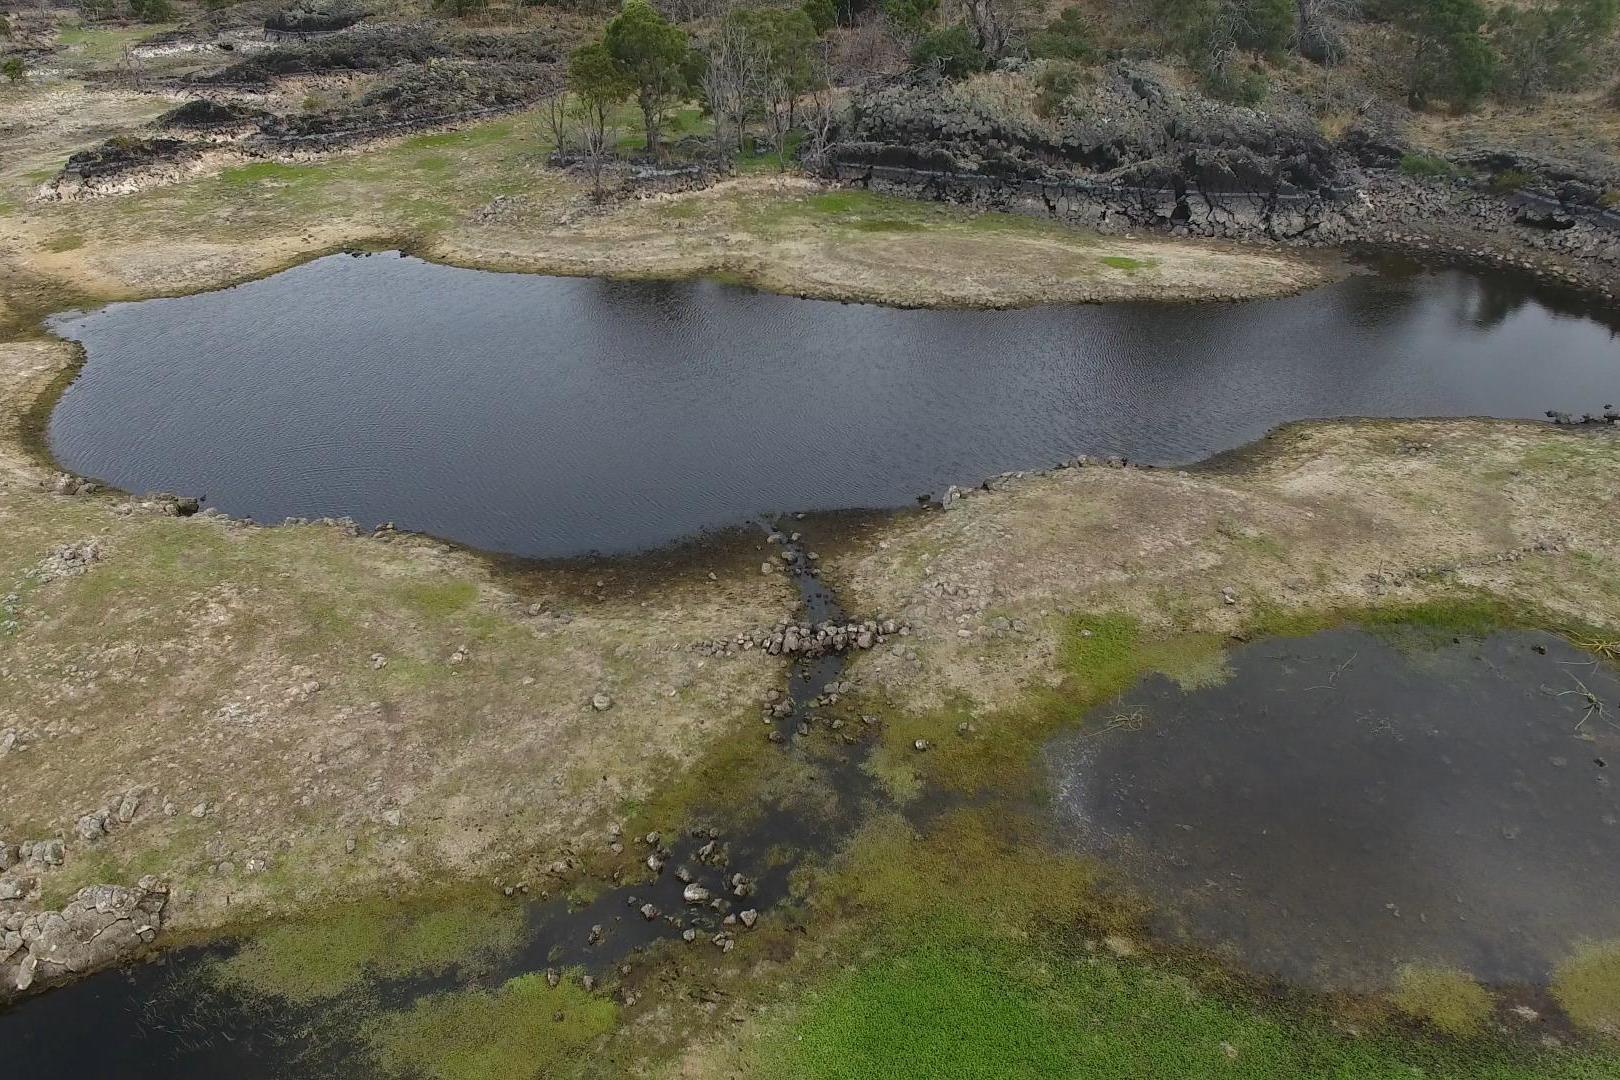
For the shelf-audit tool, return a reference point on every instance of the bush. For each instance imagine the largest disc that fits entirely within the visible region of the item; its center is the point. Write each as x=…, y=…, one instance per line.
x=1425, y=165
x=1509, y=181
x=1450, y=59
x=1550, y=47
x=1265, y=26
x=1057, y=82
x=1067, y=37
x=5, y=26
x=951, y=51
x=1610, y=199
x=823, y=15
x=1237, y=85
x=910, y=16
x=152, y=11
x=13, y=69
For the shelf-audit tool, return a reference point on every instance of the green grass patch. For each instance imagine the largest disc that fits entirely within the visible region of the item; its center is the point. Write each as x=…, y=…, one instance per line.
x=267, y=173
x=1587, y=985
x=960, y=1005
x=1426, y=165
x=1446, y=999
x=65, y=242
x=1125, y=262
x=885, y=225
x=337, y=952
x=525, y=1028
x=972, y=949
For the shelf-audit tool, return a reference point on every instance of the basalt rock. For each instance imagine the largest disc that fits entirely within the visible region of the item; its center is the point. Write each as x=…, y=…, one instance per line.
x=101, y=925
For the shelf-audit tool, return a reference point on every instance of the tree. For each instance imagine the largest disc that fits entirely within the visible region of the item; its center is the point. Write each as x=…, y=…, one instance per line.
x=784, y=43
x=731, y=79
x=1549, y=46
x=598, y=83
x=910, y=19
x=13, y=70
x=654, y=55
x=1450, y=59
x=1318, y=28
x=823, y=14
x=951, y=52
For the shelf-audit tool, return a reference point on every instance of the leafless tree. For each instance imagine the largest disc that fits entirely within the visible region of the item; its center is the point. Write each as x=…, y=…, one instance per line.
x=597, y=137
x=557, y=119
x=731, y=81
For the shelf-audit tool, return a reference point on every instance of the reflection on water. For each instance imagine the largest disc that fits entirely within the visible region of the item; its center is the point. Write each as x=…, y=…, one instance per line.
x=550, y=416
x=1340, y=806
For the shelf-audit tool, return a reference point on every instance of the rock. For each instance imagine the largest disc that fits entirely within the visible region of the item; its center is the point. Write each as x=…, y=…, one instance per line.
x=15, y=888
x=601, y=703
x=91, y=826
x=100, y=925
x=128, y=806
x=44, y=852
x=1229, y=595
x=8, y=856
x=749, y=918
x=688, y=935
x=200, y=810
x=588, y=982
x=920, y=744
x=553, y=979
x=696, y=894
x=649, y=912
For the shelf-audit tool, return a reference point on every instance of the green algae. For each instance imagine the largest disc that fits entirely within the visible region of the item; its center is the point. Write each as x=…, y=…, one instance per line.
x=1444, y=998
x=342, y=950
x=523, y=1028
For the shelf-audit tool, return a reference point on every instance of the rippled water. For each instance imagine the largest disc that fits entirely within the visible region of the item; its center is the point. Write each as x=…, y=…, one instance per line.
x=1341, y=806
x=551, y=416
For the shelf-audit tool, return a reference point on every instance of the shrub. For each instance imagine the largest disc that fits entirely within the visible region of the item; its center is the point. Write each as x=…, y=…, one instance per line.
x=1264, y=26
x=1425, y=165
x=5, y=26
x=13, y=69
x=950, y=51
x=1245, y=85
x=910, y=16
x=1610, y=199
x=1067, y=37
x=152, y=11
x=1057, y=81
x=1551, y=46
x=823, y=15
x=1510, y=180
x=1450, y=59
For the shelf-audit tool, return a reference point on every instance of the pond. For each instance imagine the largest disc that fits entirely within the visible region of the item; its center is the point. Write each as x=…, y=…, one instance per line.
x=1344, y=804
x=549, y=416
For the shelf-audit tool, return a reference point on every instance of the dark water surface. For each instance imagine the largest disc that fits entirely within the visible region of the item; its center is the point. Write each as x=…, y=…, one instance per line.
x=1340, y=806
x=553, y=416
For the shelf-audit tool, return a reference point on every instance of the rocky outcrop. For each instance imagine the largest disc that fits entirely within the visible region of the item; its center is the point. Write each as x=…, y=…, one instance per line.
x=100, y=926
x=810, y=641
x=1135, y=154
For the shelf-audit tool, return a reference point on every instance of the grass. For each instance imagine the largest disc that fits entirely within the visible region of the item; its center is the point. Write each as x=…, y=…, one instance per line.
x=336, y=953
x=1444, y=998
x=972, y=950
x=1425, y=165
x=1125, y=262
x=1587, y=985
x=524, y=1028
